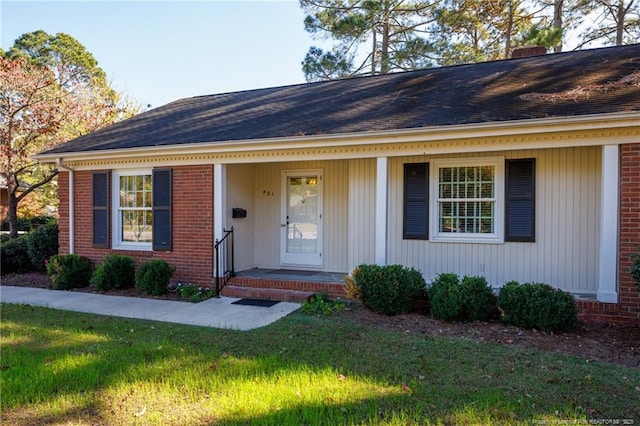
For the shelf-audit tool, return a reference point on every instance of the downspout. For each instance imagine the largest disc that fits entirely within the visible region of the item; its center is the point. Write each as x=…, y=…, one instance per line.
x=72, y=232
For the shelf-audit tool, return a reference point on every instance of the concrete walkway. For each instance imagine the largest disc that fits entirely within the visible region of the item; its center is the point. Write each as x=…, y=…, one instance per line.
x=218, y=313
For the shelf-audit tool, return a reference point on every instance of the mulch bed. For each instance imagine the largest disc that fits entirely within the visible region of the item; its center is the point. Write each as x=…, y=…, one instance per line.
x=612, y=343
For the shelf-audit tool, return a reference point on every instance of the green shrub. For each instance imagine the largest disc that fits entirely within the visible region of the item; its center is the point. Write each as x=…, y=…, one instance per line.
x=511, y=302
x=115, y=271
x=444, y=297
x=69, y=271
x=38, y=221
x=152, y=277
x=320, y=304
x=388, y=289
x=24, y=225
x=42, y=243
x=15, y=256
x=536, y=305
x=194, y=292
x=28, y=224
x=478, y=300
x=469, y=299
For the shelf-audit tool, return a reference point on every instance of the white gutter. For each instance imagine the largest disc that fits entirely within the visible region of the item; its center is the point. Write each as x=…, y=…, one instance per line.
x=424, y=134
x=72, y=238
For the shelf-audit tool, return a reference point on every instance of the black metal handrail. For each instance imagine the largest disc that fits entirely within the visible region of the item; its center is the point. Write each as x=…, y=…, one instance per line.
x=228, y=270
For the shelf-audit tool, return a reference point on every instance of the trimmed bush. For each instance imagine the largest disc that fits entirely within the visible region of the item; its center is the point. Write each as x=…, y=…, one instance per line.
x=152, y=277
x=388, y=289
x=478, y=299
x=511, y=301
x=15, y=256
x=444, y=297
x=469, y=299
x=42, y=243
x=69, y=271
x=115, y=271
x=537, y=305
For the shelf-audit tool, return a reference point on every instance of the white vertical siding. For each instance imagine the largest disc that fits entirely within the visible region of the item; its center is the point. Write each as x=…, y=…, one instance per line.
x=565, y=253
x=361, y=207
x=267, y=220
x=268, y=205
x=240, y=193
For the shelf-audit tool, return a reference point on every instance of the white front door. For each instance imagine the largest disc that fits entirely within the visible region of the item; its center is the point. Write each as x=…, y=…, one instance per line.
x=302, y=218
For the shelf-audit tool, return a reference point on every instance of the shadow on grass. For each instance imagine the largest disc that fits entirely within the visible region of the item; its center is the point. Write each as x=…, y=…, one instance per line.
x=61, y=366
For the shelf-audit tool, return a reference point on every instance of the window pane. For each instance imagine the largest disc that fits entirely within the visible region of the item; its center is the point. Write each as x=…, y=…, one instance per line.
x=136, y=217
x=136, y=226
x=123, y=191
x=471, y=191
x=488, y=173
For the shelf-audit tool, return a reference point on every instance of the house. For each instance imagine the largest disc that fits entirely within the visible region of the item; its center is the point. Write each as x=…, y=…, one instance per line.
x=524, y=169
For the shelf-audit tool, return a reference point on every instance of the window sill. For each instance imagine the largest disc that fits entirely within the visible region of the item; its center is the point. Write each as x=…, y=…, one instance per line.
x=468, y=239
x=133, y=247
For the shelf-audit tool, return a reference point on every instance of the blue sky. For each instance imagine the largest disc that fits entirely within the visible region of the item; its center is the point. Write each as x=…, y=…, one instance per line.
x=160, y=51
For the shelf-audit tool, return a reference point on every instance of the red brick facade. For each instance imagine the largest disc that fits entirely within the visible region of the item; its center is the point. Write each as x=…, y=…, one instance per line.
x=628, y=308
x=192, y=253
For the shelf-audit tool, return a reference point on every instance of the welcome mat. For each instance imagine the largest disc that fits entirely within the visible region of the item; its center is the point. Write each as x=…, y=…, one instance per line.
x=255, y=302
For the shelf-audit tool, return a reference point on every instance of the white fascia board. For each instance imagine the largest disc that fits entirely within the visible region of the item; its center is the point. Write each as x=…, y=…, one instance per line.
x=423, y=134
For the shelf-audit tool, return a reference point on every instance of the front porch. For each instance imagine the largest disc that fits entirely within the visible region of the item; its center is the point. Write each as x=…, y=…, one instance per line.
x=284, y=284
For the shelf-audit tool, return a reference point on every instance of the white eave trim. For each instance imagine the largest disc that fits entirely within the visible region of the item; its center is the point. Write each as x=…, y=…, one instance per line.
x=423, y=134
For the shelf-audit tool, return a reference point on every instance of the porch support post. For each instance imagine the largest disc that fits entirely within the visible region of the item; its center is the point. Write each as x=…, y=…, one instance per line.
x=609, y=225
x=72, y=202
x=381, y=211
x=72, y=214
x=219, y=172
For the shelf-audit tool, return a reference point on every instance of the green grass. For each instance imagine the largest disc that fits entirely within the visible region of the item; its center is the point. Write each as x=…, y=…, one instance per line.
x=61, y=367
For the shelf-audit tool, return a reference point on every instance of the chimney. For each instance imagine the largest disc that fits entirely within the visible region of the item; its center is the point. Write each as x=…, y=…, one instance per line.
x=526, y=51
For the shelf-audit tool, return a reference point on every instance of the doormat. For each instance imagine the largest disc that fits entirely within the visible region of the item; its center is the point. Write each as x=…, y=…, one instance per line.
x=255, y=302
x=291, y=272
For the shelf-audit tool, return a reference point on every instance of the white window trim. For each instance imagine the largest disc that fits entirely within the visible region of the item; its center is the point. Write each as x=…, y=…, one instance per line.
x=498, y=235
x=116, y=225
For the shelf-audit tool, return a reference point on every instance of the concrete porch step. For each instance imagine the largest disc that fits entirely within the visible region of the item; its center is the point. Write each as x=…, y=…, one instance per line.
x=333, y=290
x=282, y=295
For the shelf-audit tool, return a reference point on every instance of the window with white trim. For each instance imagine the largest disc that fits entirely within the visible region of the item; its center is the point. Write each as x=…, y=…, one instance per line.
x=468, y=200
x=132, y=210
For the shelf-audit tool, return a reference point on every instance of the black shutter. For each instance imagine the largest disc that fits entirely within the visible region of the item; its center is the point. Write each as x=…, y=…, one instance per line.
x=416, y=201
x=520, y=223
x=101, y=209
x=162, y=220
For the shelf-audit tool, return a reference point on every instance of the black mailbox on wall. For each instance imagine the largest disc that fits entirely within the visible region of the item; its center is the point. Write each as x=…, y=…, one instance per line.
x=238, y=213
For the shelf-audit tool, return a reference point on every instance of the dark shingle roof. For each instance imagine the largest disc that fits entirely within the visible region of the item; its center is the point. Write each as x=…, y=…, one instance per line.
x=584, y=82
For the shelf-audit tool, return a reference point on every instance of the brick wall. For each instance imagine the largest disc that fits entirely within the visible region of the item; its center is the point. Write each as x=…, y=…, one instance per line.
x=628, y=308
x=192, y=253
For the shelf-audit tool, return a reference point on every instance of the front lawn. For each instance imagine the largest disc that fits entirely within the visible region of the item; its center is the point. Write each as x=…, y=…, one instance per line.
x=61, y=367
